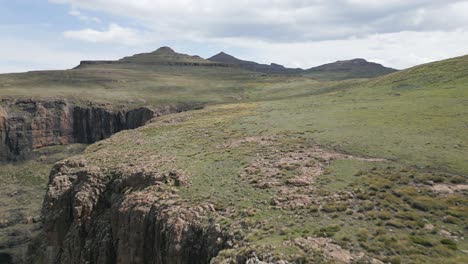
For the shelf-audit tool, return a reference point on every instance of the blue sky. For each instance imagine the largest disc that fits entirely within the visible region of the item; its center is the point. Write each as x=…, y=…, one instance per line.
x=57, y=34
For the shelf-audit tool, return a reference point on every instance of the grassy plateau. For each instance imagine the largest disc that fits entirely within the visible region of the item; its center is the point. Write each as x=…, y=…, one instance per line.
x=376, y=168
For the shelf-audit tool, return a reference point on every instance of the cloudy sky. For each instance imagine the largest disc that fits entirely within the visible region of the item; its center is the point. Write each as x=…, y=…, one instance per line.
x=57, y=34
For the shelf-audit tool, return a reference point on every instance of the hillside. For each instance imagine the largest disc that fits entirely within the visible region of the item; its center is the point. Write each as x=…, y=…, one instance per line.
x=273, y=168
x=159, y=78
x=350, y=69
x=352, y=171
x=43, y=110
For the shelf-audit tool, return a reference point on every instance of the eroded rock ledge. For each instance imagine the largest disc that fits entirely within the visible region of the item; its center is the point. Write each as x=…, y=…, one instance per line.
x=28, y=124
x=130, y=215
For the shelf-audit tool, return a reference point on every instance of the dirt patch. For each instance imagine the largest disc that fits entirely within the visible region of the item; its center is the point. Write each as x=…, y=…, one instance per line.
x=293, y=173
x=331, y=251
x=260, y=140
x=449, y=189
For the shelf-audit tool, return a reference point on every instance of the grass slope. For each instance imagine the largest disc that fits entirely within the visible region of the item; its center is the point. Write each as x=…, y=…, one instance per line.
x=288, y=158
x=134, y=85
x=386, y=147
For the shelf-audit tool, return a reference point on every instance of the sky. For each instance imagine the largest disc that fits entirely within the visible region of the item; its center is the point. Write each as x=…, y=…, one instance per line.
x=58, y=34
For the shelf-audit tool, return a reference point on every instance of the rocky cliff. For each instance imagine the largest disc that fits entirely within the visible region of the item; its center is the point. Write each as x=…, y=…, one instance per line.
x=129, y=215
x=27, y=124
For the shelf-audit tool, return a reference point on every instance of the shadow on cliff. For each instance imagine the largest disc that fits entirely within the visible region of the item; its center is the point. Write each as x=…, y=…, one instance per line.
x=29, y=124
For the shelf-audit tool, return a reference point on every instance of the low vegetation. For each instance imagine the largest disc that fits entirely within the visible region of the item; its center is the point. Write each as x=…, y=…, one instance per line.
x=292, y=163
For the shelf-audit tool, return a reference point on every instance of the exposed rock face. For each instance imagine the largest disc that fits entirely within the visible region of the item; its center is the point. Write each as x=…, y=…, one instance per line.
x=132, y=215
x=91, y=124
x=27, y=124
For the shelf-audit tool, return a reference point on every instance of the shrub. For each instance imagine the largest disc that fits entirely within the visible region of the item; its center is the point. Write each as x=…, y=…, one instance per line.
x=359, y=173
x=380, y=183
x=458, y=180
x=313, y=209
x=452, y=220
x=449, y=243
x=405, y=192
x=366, y=206
x=396, y=224
x=384, y=215
x=393, y=260
x=334, y=207
x=327, y=231
x=362, y=196
x=422, y=241
x=426, y=203
x=424, y=178
x=362, y=235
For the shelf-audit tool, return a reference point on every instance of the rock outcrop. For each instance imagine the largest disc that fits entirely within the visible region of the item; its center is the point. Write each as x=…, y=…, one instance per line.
x=129, y=215
x=27, y=124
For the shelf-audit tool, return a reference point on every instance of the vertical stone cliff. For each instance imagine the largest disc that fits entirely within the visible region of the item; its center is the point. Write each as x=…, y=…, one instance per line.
x=129, y=215
x=27, y=124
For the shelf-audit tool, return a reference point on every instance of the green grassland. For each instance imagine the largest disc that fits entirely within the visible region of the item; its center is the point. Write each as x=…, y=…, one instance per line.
x=135, y=85
x=389, y=141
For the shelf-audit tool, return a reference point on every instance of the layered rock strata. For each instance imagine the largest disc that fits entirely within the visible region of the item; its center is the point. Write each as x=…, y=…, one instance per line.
x=28, y=124
x=132, y=215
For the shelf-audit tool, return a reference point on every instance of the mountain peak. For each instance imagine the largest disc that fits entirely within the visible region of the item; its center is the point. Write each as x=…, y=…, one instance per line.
x=353, y=61
x=165, y=49
x=223, y=57
x=358, y=60
x=164, y=55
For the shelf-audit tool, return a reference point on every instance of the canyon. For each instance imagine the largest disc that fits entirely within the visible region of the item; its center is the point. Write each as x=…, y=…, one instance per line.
x=28, y=124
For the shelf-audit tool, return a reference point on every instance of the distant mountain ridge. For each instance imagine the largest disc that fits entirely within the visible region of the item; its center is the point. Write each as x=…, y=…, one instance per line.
x=340, y=70
x=348, y=69
x=161, y=56
x=253, y=66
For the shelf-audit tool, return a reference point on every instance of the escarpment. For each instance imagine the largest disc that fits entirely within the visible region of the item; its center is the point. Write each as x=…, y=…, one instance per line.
x=27, y=124
x=128, y=215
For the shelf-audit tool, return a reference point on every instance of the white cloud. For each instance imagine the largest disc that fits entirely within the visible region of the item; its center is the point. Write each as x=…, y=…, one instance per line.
x=296, y=33
x=82, y=17
x=113, y=34
x=400, y=50
x=285, y=21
